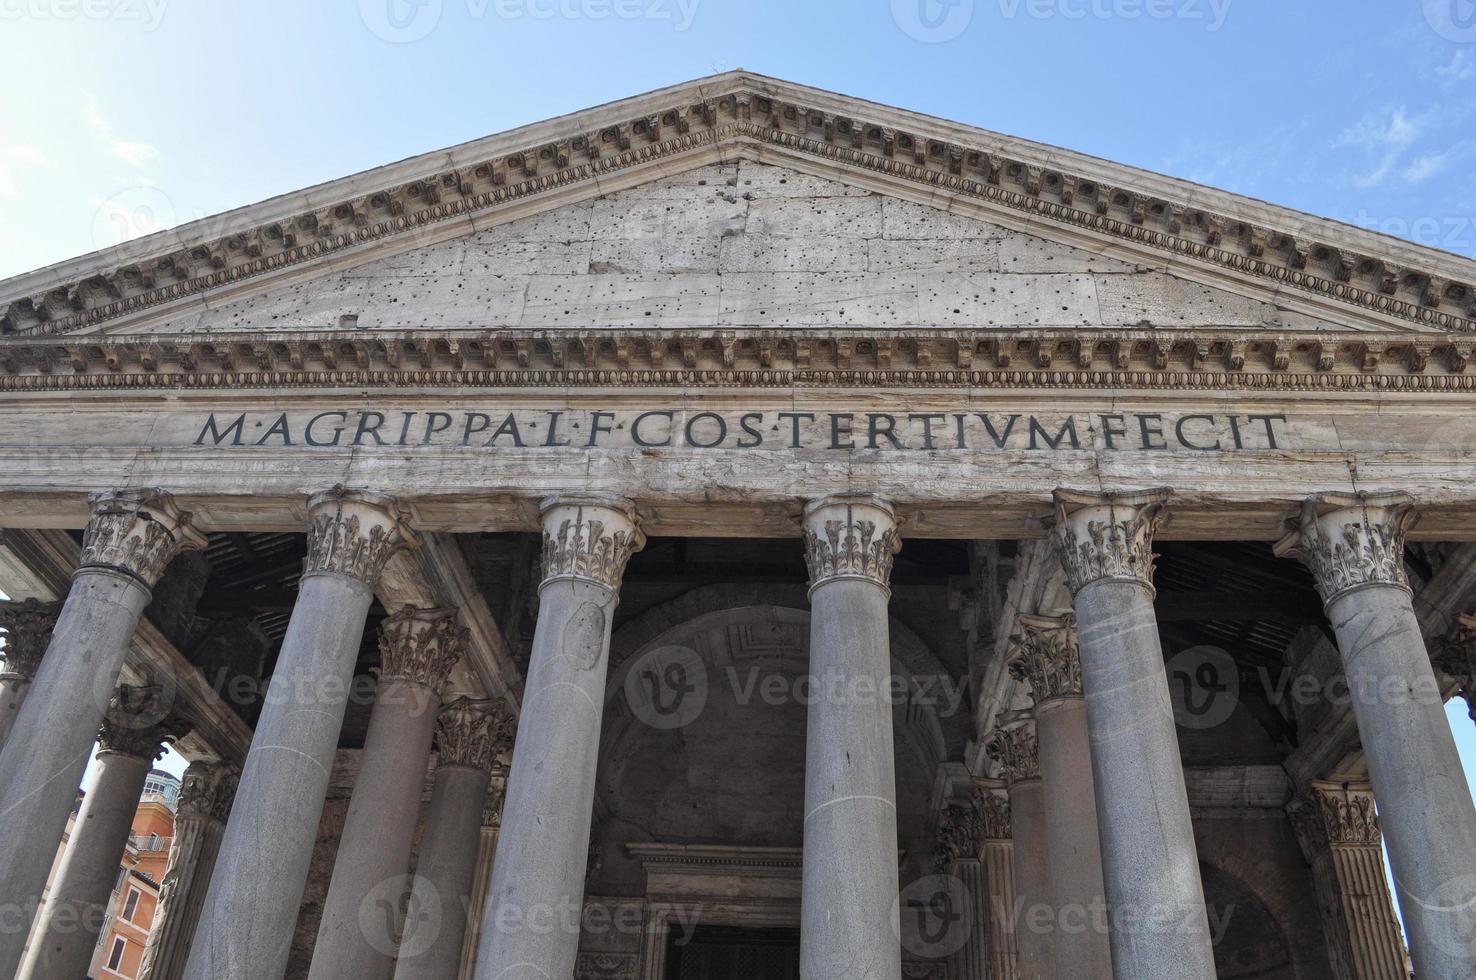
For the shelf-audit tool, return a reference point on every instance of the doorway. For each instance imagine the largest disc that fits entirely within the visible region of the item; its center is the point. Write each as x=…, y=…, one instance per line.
x=729, y=953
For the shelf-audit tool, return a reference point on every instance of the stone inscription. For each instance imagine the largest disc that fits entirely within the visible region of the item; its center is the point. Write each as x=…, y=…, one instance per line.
x=750, y=430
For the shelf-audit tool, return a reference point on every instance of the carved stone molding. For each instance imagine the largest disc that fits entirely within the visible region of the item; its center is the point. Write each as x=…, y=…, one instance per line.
x=1335, y=815
x=589, y=538
x=474, y=733
x=1201, y=359
x=964, y=826
x=1351, y=541
x=354, y=533
x=207, y=791
x=1456, y=656
x=1107, y=537
x=1017, y=752
x=138, y=532
x=1048, y=656
x=496, y=797
x=28, y=625
x=744, y=113
x=137, y=723
x=992, y=809
x=850, y=537
x=606, y=966
x=421, y=645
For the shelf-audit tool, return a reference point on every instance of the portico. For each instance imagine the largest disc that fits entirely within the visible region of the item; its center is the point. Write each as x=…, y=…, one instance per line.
x=773, y=580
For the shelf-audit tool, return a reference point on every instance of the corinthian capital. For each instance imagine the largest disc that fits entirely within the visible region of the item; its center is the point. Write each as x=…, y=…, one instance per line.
x=1047, y=660
x=28, y=627
x=1330, y=815
x=137, y=723
x=1351, y=541
x=589, y=538
x=207, y=791
x=850, y=538
x=473, y=733
x=354, y=532
x=137, y=532
x=1016, y=751
x=1107, y=536
x=421, y=645
x=993, y=810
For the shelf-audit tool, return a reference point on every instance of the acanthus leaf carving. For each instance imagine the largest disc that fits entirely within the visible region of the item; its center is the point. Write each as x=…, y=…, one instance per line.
x=850, y=537
x=354, y=533
x=589, y=538
x=421, y=645
x=1351, y=541
x=474, y=732
x=137, y=532
x=1107, y=537
x=28, y=625
x=1047, y=656
x=1017, y=752
x=138, y=723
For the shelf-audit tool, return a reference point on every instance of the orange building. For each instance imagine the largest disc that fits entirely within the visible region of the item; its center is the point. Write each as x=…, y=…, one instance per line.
x=141, y=874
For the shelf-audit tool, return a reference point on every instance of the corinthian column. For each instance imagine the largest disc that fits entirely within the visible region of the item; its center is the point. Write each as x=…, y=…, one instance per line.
x=131, y=538
x=199, y=823
x=28, y=627
x=469, y=737
x=997, y=855
x=1047, y=660
x=1149, y=865
x=482, y=880
x=960, y=855
x=1016, y=751
x=530, y=929
x=246, y=925
x=1354, y=545
x=848, y=910
x=357, y=935
x=133, y=734
x=1339, y=834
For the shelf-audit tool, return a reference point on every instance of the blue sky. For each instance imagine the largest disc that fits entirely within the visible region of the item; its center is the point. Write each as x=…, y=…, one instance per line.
x=120, y=116
x=125, y=114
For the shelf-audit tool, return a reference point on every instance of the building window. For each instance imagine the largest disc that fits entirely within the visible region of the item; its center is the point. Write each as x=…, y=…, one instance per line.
x=130, y=904
x=115, y=958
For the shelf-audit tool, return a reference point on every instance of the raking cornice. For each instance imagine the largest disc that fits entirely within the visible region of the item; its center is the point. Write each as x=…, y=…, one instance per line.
x=1373, y=277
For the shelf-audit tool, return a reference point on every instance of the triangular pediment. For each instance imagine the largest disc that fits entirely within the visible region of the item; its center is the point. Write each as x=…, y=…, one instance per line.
x=625, y=216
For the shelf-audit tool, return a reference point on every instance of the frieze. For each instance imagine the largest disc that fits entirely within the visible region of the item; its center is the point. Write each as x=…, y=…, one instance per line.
x=1285, y=257
x=1350, y=541
x=1208, y=358
x=28, y=626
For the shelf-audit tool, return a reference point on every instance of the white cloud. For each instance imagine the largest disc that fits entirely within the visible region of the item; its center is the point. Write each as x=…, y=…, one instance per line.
x=14, y=159
x=1461, y=68
x=133, y=152
x=1389, y=134
x=1426, y=166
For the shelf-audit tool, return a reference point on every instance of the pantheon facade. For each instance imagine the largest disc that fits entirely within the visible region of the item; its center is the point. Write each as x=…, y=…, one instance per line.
x=743, y=531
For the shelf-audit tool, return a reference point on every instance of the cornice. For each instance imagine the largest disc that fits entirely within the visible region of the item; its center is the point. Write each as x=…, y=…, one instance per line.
x=1279, y=248
x=1210, y=358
